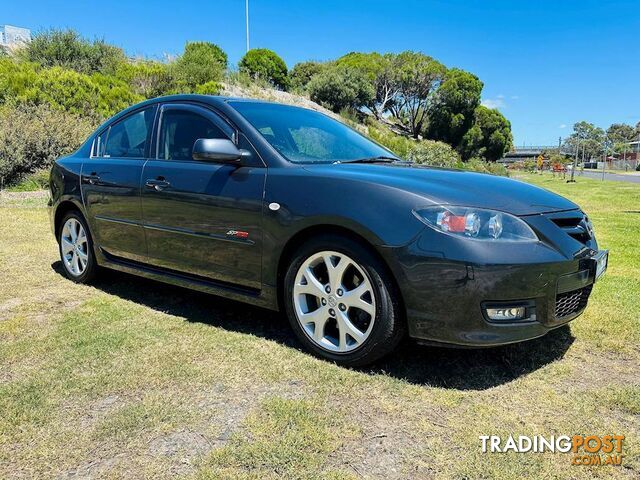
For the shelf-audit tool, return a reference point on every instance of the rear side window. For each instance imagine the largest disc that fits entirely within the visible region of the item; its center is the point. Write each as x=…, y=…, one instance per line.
x=180, y=130
x=129, y=137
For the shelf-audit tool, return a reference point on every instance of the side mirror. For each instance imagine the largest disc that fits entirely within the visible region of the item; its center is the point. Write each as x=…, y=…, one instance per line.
x=219, y=150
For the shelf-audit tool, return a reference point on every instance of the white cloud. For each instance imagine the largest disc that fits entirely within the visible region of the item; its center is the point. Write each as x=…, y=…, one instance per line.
x=500, y=96
x=496, y=103
x=514, y=97
x=562, y=125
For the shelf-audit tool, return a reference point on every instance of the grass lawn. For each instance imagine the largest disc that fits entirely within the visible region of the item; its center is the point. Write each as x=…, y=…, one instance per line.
x=129, y=378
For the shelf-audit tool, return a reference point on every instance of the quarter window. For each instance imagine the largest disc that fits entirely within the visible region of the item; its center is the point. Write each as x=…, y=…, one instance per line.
x=180, y=130
x=99, y=143
x=129, y=137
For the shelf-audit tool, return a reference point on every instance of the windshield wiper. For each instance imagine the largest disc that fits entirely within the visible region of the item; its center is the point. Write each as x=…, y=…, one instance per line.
x=379, y=159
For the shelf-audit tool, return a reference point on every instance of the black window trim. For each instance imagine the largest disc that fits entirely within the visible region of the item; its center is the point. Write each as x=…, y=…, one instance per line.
x=217, y=119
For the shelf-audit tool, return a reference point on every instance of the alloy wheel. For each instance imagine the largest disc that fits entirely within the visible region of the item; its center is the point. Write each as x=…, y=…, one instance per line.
x=334, y=301
x=74, y=246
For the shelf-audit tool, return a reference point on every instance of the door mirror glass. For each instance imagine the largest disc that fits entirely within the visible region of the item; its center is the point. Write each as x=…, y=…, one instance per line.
x=217, y=150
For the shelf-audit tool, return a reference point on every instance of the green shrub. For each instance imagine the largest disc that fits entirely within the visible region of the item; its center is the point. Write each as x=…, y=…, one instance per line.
x=147, y=78
x=302, y=73
x=479, y=165
x=17, y=80
x=97, y=96
x=434, y=153
x=529, y=165
x=200, y=63
x=39, y=180
x=398, y=144
x=209, y=88
x=67, y=90
x=33, y=136
x=267, y=65
x=67, y=49
x=339, y=87
x=114, y=95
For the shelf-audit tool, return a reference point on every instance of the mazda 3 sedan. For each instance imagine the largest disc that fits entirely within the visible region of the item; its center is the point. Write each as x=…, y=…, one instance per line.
x=291, y=210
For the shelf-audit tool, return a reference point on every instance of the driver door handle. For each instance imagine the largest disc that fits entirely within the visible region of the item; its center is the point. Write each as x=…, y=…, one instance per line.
x=158, y=184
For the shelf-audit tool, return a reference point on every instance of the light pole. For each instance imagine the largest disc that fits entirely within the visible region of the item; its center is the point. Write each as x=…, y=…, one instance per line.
x=575, y=165
x=604, y=164
x=246, y=3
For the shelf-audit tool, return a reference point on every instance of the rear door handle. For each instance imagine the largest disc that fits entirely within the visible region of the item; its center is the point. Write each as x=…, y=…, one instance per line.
x=158, y=184
x=93, y=178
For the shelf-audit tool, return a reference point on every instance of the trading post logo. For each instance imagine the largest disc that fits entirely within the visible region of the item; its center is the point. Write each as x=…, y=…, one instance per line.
x=591, y=450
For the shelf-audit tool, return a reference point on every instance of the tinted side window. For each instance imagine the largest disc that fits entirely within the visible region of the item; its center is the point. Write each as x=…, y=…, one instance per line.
x=180, y=130
x=128, y=138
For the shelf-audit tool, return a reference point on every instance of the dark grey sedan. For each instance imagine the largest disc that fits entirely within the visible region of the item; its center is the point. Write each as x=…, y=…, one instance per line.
x=288, y=209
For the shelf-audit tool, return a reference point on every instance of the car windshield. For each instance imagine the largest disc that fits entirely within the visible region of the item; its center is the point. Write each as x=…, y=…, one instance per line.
x=306, y=136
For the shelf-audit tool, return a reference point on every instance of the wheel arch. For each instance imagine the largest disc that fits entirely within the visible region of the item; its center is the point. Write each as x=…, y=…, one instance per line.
x=300, y=237
x=62, y=209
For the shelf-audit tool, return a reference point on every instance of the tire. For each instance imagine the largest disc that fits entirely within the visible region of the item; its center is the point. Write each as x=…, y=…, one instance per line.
x=364, y=321
x=77, y=255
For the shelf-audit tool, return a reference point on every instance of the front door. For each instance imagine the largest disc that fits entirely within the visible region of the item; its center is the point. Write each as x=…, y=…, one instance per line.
x=110, y=183
x=202, y=218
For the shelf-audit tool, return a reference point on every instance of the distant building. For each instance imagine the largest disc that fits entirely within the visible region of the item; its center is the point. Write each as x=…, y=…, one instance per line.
x=11, y=37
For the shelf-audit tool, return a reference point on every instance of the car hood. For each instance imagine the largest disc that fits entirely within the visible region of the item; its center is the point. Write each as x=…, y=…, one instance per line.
x=452, y=187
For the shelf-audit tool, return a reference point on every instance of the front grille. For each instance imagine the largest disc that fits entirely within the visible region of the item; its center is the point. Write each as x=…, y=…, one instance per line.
x=575, y=224
x=569, y=303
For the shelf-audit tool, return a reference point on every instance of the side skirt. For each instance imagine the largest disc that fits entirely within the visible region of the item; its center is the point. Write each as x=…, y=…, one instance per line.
x=265, y=298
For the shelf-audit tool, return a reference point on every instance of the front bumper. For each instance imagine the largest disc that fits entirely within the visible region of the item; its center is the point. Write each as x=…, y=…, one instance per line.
x=446, y=299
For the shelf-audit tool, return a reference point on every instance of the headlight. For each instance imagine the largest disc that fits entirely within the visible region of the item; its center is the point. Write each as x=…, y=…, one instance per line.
x=477, y=223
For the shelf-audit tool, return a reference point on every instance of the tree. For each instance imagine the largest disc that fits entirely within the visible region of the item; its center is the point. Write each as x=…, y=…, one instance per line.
x=620, y=133
x=379, y=70
x=339, y=87
x=416, y=77
x=200, y=63
x=587, y=138
x=265, y=64
x=67, y=49
x=452, y=112
x=302, y=73
x=489, y=137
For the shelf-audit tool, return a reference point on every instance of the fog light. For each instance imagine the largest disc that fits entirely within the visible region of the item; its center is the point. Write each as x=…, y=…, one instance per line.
x=506, y=313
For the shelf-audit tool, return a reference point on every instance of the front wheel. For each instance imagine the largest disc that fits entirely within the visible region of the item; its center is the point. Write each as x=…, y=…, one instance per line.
x=341, y=302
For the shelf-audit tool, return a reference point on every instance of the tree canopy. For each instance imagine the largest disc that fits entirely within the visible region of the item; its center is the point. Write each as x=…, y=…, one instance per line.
x=200, y=63
x=339, y=87
x=265, y=64
x=588, y=139
x=489, y=137
x=452, y=112
x=302, y=73
x=417, y=76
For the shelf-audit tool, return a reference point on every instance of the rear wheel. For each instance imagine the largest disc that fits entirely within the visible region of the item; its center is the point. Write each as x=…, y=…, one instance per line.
x=341, y=301
x=76, y=249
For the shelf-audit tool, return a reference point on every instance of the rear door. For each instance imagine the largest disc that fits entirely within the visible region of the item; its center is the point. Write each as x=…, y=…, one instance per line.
x=202, y=218
x=110, y=184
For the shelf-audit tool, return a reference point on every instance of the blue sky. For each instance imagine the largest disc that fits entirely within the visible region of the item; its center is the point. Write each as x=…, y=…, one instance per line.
x=545, y=64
